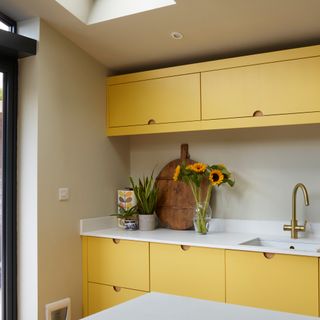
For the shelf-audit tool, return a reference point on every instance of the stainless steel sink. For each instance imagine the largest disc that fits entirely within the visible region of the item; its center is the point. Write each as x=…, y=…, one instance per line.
x=284, y=245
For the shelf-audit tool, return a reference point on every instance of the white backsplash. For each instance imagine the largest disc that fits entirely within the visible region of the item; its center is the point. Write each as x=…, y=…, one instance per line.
x=266, y=162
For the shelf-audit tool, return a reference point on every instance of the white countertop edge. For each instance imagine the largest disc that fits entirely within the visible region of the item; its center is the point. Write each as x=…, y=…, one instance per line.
x=217, y=240
x=159, y=306
x=265, y=227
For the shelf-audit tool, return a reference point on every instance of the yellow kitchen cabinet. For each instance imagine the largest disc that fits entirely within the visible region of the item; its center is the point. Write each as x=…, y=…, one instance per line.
x=290, y=86
x=222, y=94
x=118, y=263
x=278, y=282
x=187, y=271
x=230, y=93
x=278, y=88
x=102, y=296
x=154, y=101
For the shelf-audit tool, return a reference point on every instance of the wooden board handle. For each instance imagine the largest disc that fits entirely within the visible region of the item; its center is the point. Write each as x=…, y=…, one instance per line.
x=184, y=153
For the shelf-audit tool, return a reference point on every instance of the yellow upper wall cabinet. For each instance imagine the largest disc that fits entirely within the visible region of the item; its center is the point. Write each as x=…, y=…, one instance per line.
x=163, y=100
x=222, y=94
x=283, y=87
x=188, y=271
x=118, y=263
x=280, y=282
x=290, y=86
x=229, y=93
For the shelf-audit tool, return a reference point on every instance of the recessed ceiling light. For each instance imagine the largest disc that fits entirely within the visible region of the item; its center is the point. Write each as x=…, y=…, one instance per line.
x=176, y=35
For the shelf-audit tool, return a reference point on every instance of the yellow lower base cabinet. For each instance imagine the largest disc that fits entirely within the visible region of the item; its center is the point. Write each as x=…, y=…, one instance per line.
x=187, y=271
x=102, y=296
x=278, y=282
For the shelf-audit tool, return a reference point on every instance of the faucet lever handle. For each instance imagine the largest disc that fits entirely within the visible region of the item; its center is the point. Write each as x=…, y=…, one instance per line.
x=287, y=227
x=302, y=228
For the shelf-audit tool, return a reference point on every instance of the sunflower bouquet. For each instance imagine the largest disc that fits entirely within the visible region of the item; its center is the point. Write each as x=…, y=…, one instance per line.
x=202, y=177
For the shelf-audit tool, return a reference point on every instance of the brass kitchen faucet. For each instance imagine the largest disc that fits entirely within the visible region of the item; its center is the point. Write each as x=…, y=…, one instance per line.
x=294, y=227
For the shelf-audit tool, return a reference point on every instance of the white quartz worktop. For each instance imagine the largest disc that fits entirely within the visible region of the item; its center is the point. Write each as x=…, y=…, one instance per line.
x=158, y=306
x=214, y=239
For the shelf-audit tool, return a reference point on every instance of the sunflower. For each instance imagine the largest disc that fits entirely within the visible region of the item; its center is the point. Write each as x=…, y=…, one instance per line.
x=176, y=173
x=198, y=167
x=216, y=177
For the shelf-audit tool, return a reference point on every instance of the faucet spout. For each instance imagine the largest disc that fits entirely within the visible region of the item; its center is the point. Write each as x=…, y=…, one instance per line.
x=294, y=227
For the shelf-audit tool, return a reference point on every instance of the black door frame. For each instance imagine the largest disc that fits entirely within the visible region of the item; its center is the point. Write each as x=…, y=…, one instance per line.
x=9, y=67
x=12, y=47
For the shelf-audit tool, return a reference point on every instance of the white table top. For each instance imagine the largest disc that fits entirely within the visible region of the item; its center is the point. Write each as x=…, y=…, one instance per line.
x=158, y=306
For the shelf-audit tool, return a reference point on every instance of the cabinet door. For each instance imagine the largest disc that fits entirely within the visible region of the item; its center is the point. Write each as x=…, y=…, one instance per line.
x=188, y=271
x=290, y=86
x=229, y=93
x=102, y=296
x=276, y=88
x=123, y=264
x=281, y=282
x=163, y=100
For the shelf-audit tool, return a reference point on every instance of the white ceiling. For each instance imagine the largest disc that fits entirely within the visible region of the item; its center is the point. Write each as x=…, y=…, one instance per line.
x=211, y=28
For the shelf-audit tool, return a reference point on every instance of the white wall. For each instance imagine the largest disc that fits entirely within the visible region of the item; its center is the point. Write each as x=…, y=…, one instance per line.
x=266, y=162
x=27, y=191
x=27, y=180
x=72, y=151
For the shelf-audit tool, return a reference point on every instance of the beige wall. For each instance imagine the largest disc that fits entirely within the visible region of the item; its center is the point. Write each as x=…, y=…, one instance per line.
x=71, y=151
x=266, y=162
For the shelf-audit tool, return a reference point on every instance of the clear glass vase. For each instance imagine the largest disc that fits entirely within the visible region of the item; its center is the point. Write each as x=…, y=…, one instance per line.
x=202, y=217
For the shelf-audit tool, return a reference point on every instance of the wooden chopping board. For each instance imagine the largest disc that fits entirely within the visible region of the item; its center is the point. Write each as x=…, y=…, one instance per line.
x=175, y=199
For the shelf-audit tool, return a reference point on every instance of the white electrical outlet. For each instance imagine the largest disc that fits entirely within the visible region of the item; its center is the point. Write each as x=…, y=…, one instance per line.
x=63, y=194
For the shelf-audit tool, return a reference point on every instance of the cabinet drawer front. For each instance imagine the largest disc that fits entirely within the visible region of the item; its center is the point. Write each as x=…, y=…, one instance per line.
x=124, y=264
x=188, y=271
x=164, y=100
x=283, y=282
x=102, y=296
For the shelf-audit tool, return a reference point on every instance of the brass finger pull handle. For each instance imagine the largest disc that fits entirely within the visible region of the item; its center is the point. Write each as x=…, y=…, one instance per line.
x=151, y=121
x=116, y=241
x=268, y=255
x=185, y=248
x=258, y=113
x=116, y=289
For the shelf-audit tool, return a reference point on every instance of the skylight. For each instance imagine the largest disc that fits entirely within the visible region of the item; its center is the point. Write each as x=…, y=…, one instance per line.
x=4, y=26
x=95, y=11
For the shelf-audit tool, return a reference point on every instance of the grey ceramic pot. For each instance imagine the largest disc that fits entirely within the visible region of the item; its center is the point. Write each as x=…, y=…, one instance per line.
x=147, y=222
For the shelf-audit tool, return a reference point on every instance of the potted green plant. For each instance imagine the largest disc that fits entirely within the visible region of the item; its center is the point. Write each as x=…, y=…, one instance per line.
x=126, y=218
x=146, y=194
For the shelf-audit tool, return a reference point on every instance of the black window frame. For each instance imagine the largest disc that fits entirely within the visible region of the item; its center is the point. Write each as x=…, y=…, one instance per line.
x=9, y=22
x=9, y=68
x=12, y=47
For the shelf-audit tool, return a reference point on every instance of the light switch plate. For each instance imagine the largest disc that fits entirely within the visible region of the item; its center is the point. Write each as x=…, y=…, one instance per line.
x=63, y=194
